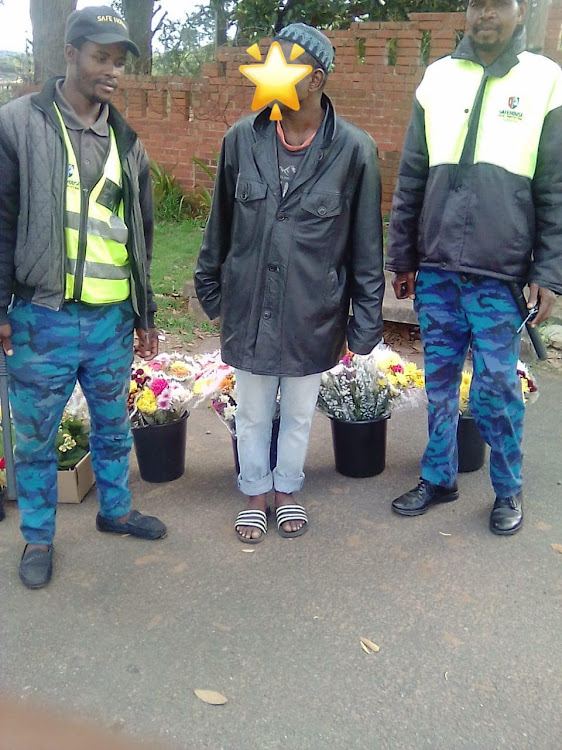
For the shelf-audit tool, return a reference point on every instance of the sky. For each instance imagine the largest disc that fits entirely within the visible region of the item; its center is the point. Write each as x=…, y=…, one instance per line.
x=15, y=24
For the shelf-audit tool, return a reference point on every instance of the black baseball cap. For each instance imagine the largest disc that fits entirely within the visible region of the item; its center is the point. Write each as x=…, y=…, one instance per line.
x=99, y=24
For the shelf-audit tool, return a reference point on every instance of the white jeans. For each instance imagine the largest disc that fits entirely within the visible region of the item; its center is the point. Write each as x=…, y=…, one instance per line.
x=257, y=395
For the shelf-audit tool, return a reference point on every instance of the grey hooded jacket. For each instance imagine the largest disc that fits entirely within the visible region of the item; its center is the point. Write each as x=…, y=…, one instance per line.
x=281, y=271
x=32, y=199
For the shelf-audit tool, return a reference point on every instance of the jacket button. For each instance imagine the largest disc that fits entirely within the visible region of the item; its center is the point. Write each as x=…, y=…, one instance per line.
x=322, y=210
x=281, y=215
x=273, y=267
x=267, y=315
x=244, y=196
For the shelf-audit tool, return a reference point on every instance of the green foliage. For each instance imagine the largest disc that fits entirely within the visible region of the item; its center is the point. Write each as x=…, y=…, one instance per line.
x=186, y=46
x=71, y=442
x=168, y=195
x=176, y=247
x=254, y=19
x=171, y=203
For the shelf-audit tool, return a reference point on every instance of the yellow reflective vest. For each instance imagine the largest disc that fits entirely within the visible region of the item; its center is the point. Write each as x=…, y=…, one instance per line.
x=97, y=261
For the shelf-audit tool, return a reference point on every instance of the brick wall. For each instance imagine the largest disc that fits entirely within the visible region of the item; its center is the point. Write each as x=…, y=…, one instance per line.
x=378, y=67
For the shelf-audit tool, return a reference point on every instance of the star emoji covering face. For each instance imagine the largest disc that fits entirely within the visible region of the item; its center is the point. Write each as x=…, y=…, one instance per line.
x=276, y=78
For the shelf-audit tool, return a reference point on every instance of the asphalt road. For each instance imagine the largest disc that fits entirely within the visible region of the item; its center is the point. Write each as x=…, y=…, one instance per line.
x=468, y=624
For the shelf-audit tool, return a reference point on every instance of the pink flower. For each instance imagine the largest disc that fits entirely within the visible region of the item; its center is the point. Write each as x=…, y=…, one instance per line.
x=156, y=366
x=158, y=385
x=2, y=463
x=163, y=401
x=347, y=359
x=397, y=368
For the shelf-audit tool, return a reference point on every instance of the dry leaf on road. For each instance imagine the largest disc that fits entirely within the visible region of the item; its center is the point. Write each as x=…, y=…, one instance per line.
x=211, y=697
x=557, y=547
x=368, y=646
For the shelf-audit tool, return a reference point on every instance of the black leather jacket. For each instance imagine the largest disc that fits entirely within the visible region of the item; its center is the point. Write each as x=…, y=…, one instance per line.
x=281, y=272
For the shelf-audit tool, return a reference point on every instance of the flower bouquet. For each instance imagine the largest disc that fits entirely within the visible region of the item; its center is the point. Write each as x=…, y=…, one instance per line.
x=160, y=390
x=358, y=395
x=366, y=387
x=159, y=394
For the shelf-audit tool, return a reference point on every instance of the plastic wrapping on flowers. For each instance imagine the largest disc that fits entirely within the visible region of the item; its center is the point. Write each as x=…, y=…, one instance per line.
x=371, y=386
x=161, y=389
x=529, y=389
x=217, y=385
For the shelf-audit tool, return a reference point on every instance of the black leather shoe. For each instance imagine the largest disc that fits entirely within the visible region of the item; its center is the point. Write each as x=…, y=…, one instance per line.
x=507, y=515
x=36, y=567
x=417, y=501
x=139, y=525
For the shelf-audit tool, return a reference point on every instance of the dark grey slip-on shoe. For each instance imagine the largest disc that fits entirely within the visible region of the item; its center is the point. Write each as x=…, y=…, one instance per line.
x=139, y=525
x=36, y=567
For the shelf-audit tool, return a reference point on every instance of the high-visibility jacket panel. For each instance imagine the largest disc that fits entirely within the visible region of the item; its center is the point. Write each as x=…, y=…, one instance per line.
x=97, y=262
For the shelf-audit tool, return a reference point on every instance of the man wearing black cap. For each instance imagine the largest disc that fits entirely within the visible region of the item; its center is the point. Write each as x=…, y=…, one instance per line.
x=293, y=236
x=76, y=227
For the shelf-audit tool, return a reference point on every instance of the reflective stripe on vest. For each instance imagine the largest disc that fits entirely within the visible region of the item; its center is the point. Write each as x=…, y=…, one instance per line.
x=97, y=262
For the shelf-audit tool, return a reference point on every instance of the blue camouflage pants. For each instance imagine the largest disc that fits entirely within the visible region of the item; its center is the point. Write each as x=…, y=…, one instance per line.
x=52, y=350
x=455, y=312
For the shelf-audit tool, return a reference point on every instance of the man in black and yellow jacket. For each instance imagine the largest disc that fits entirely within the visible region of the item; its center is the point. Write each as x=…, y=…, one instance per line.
x=76, y=225
x=477, y=212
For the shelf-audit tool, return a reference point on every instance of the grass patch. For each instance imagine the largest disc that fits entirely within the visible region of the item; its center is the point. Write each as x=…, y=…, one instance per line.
x=176, y=247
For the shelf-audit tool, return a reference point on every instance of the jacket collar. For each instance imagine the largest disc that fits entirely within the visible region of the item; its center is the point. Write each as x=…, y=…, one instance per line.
x=265, y=149
x=262, y=124
x=504, y=63
x=124, y=134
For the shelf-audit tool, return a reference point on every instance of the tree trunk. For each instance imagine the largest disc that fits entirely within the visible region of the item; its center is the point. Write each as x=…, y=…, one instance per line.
x=48, y=19
x=221, y=22
x=138, y=16
x=536, y=21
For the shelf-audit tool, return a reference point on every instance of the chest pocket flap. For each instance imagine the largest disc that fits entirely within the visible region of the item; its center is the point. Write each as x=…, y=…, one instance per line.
x=323, y=205
x=249, y=190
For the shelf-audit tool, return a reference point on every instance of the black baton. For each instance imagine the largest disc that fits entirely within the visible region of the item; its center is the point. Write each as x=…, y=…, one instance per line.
x=7, y=428
x=534, y=335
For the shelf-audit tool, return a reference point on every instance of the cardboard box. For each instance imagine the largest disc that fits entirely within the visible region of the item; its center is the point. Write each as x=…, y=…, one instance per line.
x=74, y=484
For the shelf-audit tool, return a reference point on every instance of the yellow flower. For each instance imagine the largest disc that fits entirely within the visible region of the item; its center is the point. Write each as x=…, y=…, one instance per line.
x=133, y=386
x=389, y=361
x=179, y=369
x=202, y=385
x=147, y=402
x=464, y=391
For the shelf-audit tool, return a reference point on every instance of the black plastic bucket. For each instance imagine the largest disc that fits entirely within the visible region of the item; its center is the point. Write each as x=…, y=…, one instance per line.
x=471, y=445
x=360, y=447
x=272, y=447
x=160, y=450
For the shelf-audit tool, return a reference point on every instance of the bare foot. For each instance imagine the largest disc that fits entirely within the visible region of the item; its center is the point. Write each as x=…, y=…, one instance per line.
x=256, y=502
x=282, y=498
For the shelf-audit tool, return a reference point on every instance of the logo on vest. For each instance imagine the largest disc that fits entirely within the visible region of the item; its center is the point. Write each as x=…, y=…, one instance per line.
x=69, y=181
x=511, y=114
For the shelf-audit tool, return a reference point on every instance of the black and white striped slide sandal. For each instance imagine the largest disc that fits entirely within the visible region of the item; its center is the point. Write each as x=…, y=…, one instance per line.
x=255, y=519
x=286, y=513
